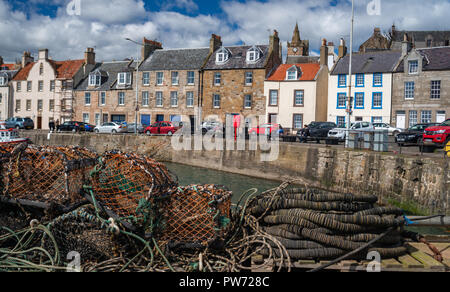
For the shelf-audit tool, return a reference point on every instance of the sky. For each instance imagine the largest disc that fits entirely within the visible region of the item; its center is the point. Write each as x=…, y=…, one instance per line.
x=105, y=24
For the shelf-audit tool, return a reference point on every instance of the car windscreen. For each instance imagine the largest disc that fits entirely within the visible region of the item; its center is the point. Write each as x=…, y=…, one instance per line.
x=446, y=123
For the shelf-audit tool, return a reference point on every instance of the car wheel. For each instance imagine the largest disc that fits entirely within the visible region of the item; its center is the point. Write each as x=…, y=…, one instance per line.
x=114, y=131
x=148, y=133
x=96, y=131
x=18, y=127
x=170, y=133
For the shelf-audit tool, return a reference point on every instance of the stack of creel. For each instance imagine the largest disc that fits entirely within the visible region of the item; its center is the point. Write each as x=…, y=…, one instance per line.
x=315, y=224
x=197, y=215
x=132, y=189
x=44, y=177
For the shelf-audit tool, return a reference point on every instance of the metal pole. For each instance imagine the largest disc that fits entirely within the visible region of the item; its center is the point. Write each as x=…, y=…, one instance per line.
x=349, y=98
x=137, y=94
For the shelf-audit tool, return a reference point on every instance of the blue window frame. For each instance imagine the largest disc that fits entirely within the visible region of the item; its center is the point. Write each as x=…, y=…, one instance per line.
x=377, y=100
x=359, y=100
x=342, y=81
x=341, y=121
x=341, y=101
x=377, y=80
x=359, y=80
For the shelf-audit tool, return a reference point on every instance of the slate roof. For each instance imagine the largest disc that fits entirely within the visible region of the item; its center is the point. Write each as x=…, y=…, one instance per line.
x=309, y=72
x=109, y=72
x=9, y=74
x=238, y=59
x=175, y=59
x=435, y=59
x=369, y=62
x=420, y=36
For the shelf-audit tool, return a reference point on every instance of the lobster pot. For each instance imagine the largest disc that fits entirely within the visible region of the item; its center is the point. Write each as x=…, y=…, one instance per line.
x=197, y=215
x=131, y=188
x=51, y=176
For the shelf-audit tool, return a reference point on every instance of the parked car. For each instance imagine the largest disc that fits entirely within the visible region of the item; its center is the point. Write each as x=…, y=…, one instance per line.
x=162, y=128
x=131, y=128
x=341, y=133
x=74, y=126
x=88, y=127
x=413, y=135
x=392, y=130
x=112, y=128
x=316, y=131
x=266, y=129
x=436, y=137
x=19, y=123
x=210, y=126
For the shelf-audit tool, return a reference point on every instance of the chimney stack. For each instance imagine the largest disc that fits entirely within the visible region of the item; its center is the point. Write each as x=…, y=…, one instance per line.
x=274, y=44
x=43, y=54
x=26, y=59
x=215, y=43
x=149, y=47
x=342, y=49
x=324, y=53
x=406, y=45
x=89, y=56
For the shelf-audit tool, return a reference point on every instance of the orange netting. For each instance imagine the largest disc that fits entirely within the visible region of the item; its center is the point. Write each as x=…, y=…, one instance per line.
x=197, y=214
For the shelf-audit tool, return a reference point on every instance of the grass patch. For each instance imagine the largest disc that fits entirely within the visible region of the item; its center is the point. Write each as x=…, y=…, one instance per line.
x=410, y=208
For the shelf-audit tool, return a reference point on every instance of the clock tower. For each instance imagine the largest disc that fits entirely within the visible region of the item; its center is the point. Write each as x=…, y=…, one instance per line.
x=297, y=47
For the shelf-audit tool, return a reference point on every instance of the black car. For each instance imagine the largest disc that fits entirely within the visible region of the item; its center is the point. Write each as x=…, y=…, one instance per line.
x=316, y=131
x=413, y=135
x=75, y=127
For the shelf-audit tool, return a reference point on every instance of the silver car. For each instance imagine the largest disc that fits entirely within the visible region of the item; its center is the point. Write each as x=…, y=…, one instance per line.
x=111, y=128
x=132, y=128
x=392, y=130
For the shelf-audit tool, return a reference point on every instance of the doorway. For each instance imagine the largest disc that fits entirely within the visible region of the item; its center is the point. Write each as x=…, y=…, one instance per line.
x=401, y=119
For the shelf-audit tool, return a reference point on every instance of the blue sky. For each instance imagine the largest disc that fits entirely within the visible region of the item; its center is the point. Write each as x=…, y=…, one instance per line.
x=103, y=24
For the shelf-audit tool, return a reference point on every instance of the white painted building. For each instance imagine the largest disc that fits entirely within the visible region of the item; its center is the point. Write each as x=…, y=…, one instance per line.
x=6, y=93
x=372, y=78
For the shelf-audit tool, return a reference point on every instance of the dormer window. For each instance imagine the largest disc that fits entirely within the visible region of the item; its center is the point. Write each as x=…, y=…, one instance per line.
x=2, y=81
x=124, y=78
x=293, y=73
x=95, y=79
x=222, y=55
x=253, y=54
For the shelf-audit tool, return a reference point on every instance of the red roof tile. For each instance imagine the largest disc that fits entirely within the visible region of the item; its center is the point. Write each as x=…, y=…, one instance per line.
x=64, y=69
x=23, y=73
x=9, y=66
x=309, y=72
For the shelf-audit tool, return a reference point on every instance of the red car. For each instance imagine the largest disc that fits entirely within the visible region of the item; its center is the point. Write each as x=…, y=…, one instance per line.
x=438, y=136
x=162, y=128
x=266, y=129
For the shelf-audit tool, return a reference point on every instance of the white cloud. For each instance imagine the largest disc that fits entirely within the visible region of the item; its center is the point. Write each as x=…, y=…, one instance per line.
x=105, y=24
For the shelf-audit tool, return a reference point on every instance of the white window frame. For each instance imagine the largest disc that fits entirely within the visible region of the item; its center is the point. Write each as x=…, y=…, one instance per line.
x=248, y=78
x=216, y=100
x=190, y=99
x=175, y=78
x=174, y=98
x=86, y=118
x=424, y=116
x=410, y=91
x=413, y=118
x=159, y=97
x=145, y=99
x=101, y=100
x=271, y=98
x=159, y=78
x=436, y=86
x=87, y=98
x=222, y=55
x=2, y=81
x=416, y=67
x=121, y=98
x=248, y=103
x=94, y=79
x=290, y=71
x=253, y=54
x=146, y=78
x=124, y=78
x=191, y=79
x=217, y=78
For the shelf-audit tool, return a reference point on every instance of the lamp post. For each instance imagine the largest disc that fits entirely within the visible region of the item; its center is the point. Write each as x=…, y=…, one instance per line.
x=137, y=86
x=349, y=99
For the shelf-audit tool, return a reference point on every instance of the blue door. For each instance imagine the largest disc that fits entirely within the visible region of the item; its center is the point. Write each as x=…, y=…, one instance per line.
x=146, y=120
x=160, y=118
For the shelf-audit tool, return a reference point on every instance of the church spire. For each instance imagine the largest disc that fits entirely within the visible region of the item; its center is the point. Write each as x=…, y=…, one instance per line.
x=296, y=41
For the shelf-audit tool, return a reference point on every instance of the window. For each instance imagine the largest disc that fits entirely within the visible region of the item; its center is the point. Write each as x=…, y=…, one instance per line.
x=87, y=98
x=40, y=85
x=18, y=105
x=217, y=78
x=377, y=120
x=413, y=67
x=159, y=99
x=359, y=100
x=248, y=78
x=63, y=105
x=253, y=54
x=413, y=118
x=248, y=101
x=222, y=55
x=173, y=99
x=97, y=119
x=190, y=99
x=121, y=98
x=273, y=98
x=436, y=89
x=297, y=121
x=377, y=100
x=86, y=118
x=342, y=81
x=145, y=100
x=299, y=97
x=159, y=78
x=41, y=69
x=29, y=85
x=216, y=101
x=426, y=117
x=102, y=98
x=28, y=105
x=52, y=85
x=2, y=81
x=190, y=77
x=174, y=78
x=341, y=101
x=95, y=79
x=291, y=75
x=359, y=80
x=377, y=80
x=409, y=90
x=40, y=105
x=146, y=78
x=429, y=43
x=340, y=121
x=124, y=78
x=51, y=105
x=19, y=86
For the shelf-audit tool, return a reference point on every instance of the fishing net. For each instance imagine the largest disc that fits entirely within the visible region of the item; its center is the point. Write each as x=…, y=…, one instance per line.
x=131, y=189
x=197, y=215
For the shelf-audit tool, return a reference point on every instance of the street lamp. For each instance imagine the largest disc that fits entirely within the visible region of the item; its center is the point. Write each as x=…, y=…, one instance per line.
x=349, y=99
x=137, y=86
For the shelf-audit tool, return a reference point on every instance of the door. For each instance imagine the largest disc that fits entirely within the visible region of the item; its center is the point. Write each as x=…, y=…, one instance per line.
x=273, y=118
x=146, y=120
x=39, y=123
x=105, y=118
x=159, y=118
x=401, y=120
x=440, y=117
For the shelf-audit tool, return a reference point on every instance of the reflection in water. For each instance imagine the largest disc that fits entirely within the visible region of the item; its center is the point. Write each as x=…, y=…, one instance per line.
x=234, y=182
